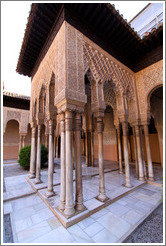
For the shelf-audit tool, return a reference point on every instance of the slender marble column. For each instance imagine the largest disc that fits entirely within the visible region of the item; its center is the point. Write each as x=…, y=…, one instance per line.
x=140, y=164
x=142, y=151
x=135, y=152
x=57, y=147
x=69, y=206
x=86, y=147
x=126, y=155
x=63, y=164
x=102, y=196
x=79, y=194
x=38, y=161
x=148, y=152
x=23, y=141
x=50, y=192
x=33, y=153
x=92, y=148
x=20, y=142
x=119, y=151
x=46, y=140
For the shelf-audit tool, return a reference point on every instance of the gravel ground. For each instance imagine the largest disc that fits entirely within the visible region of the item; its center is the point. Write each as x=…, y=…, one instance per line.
x=151, y=231
x=8, y=229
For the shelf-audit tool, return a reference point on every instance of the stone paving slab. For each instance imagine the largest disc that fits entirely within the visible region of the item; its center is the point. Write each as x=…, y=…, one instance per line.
x=16, y=187
x=33, y=222
x=90, y=193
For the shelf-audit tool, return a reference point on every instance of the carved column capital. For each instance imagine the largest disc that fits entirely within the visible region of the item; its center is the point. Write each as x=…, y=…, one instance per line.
x=125, y=128
x=39, y=130
x=77, y=122
x=50, y=127
x=33, y=131
x=68, y=120
x=146, y=129
x=62, y=121
x=100, y=124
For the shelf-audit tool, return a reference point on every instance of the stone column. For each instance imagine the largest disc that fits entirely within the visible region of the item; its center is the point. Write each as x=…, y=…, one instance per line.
x=46, y=141
x=140, y=164
x=142, y=151
x=73, y=149
x=92, y=148
x=79, y=194
x=135, y=152
x=148, y=153
x=20, y=142
x=86, y=147
x=23, y=141
x=38, y=161
x=69, y=206
x=119, y=150
x=63, y=164
x=57, y=146
x=50, y=192
x=102, y=196
x=33, y=153
x=126, y=155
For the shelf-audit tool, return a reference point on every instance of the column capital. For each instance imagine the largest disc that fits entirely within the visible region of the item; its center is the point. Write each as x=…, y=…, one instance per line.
x=68, y=120
x=78, y=122
x=146, y=129
x=50, y=125
x=100, y=124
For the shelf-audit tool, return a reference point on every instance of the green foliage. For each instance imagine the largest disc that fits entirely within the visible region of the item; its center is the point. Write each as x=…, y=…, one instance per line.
x=24, y=156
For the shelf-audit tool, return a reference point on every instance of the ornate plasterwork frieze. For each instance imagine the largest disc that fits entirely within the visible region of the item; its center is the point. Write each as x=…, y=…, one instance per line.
x=105, y=69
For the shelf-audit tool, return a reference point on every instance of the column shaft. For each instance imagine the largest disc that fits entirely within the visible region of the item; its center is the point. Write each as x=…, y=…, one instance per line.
x=38, y=161
x=50, y=192
x=142, y=151
x=79, y=195
x=148, y=153
x=135, y=152
x=63, y=164
x=69, y=206
x=20, y=142
x=140, y=164
x=33, y=153
x=119, y=151
x=102, y=197
x=126, y=155
x=92, y=148
x=23, y=141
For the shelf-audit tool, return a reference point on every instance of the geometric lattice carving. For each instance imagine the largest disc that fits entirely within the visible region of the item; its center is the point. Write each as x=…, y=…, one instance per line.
x=109, y=94
x=153, y=77
x=104, y=69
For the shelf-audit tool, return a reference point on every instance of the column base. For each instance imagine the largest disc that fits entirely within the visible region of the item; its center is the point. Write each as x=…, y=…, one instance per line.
x=141, y=178
x=128, y=185
x=50, y=193
x=151, y=179
x=80, y=207
x=102, y=197
x=121, y=172
x=31, y=176
x=62, y=206
x=38, y=181
x=69, y=211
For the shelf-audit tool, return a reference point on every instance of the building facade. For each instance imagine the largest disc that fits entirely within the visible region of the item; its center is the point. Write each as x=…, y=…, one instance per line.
x=97, y=85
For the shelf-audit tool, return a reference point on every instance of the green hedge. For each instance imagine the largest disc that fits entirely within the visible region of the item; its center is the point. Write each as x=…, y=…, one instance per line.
x=25, y=153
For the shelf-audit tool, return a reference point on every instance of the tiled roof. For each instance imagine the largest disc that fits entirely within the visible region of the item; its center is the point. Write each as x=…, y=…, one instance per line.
x=15, y=95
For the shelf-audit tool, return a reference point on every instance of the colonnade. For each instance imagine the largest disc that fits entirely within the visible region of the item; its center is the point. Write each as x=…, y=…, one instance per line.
x=139, y=148
x=70, y=123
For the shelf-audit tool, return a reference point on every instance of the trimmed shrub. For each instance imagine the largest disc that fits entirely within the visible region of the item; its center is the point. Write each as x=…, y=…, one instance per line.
x=25, y=153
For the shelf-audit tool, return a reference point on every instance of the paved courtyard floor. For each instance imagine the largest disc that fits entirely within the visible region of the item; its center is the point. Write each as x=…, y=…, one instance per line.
x=33, y=222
